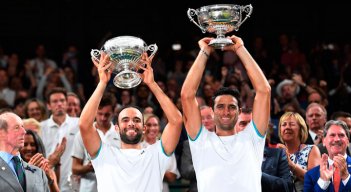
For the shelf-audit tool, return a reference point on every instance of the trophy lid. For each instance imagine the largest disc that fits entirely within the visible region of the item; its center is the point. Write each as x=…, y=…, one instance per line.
x=124, y=42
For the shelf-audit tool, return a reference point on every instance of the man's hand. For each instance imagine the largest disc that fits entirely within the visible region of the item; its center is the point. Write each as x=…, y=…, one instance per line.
x=238, y=42
x=148, y=74
x=104, y=67
x=340, y=162
x=55, y=157
x=326, y=171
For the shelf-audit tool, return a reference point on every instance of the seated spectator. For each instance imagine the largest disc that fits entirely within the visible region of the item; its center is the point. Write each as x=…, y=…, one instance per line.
x=33, y=153
x=342, y=116
x=301, y=157
x=333, y=172
x=34, y=108
x=275, y=169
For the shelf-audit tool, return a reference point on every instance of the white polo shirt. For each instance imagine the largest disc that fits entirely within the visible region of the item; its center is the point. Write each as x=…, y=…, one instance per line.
x=228, y=163
x=131, y=170
x=51, y=135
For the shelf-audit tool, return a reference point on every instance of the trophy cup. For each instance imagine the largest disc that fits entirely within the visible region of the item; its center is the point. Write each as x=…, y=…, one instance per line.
x=220, y=19
x=125, y=53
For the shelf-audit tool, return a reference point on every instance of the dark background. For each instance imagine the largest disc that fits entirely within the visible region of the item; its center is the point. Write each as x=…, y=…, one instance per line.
x=58, y=23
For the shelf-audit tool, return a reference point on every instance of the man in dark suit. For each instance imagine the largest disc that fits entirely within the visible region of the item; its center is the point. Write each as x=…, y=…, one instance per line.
x=15, y=174
x=316, y=116
x=333, y=173
x=275, y=171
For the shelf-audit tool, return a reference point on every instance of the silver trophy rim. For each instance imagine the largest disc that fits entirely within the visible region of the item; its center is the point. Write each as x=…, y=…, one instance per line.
x=208, y=7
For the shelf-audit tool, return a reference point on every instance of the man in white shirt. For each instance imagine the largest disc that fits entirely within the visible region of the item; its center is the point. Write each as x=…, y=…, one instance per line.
x=131, y=167
x=82, y=166
x=223, y=160
x=59, y=126
x=333, y=173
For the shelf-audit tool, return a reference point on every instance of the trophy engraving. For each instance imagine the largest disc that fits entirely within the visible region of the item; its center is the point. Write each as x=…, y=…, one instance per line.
x=220, y=19
x=125, y=53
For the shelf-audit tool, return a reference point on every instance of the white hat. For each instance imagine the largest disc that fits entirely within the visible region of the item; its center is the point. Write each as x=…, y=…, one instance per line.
x=283, y=83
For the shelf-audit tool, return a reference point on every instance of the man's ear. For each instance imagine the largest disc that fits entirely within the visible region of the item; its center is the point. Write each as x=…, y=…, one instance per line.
x=117, y=127
x=48, y=106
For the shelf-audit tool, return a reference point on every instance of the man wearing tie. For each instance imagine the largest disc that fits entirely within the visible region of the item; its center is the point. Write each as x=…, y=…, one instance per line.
x=333, y=173
x=15, y=174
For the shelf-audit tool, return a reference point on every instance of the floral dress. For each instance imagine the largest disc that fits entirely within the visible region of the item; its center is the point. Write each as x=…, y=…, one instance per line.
x=301, y=158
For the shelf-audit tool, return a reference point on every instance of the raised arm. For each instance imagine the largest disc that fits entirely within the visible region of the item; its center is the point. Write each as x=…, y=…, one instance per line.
x=191, y=111
x=171, y=133
x=90, y=136
x=261, y=106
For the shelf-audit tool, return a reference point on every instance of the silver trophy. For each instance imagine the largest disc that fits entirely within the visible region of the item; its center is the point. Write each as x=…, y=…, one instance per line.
x=220, y=19
x=125, y=53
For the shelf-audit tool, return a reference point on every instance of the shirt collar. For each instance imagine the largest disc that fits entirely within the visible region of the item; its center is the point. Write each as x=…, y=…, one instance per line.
x=52, y=123
x=331, y=162
x=7, y=157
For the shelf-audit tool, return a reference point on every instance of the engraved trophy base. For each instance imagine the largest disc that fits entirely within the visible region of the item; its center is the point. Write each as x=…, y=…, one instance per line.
x=219, y=43
x=127, y=79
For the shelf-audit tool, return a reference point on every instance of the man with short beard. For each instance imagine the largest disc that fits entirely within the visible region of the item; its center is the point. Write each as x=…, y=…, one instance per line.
x=131, y=167
x=333, y=173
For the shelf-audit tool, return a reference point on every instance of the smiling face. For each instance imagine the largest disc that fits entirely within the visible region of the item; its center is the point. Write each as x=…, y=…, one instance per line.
x=130, y=125
x=289, y=129
x=29, y=149
x=226, y=112
x=34, y=111
x=336, y=141
x=152, y=129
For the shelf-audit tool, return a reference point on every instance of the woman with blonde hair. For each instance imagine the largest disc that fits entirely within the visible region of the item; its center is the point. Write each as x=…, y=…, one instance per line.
x=293, y=134
x=33, y=125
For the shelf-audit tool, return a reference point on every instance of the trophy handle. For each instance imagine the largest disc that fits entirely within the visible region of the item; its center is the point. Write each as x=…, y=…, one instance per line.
x=248, y=10
x=95, y=54
x=153, y=48
x=191, y=13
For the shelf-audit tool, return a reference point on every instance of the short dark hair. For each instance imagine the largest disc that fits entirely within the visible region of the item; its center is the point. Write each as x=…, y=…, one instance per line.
x=56, y=90
x=108, y=99
x=342, y=124
x=246, y=110
x=337, y=114
x=227, y=91
x=131, y=106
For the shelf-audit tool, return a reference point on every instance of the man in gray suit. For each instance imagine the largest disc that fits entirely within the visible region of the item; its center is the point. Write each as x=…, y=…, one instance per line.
x=30, y=178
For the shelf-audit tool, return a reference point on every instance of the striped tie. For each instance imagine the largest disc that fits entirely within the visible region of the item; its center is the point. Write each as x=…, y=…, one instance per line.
x=20, y=172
